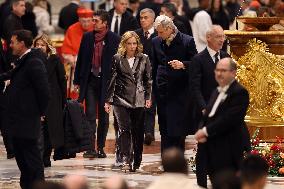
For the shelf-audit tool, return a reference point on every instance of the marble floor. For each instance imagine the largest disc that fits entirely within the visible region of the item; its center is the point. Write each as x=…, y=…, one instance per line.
x=97, y=170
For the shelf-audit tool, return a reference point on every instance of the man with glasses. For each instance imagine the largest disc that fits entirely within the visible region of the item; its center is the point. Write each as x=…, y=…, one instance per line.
x=203, y=84
x=221, y=132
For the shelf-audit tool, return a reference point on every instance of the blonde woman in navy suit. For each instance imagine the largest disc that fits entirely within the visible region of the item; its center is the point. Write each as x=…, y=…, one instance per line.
x=129, y=91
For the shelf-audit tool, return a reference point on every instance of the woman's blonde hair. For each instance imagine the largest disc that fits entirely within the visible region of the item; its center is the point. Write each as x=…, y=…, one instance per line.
x=40, y=3
x=50, y=49
x=122, y=45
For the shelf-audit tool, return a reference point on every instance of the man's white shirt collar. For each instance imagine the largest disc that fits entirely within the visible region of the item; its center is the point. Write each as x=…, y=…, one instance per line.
x=27, y=51
x=115, y=14
x=151, y=31
x=225, y=88
x=113, y=21
x=212, y=53
x=221, y=97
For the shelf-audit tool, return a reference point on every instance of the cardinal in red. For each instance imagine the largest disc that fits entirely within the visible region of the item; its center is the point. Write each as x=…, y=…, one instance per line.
x=71, y=43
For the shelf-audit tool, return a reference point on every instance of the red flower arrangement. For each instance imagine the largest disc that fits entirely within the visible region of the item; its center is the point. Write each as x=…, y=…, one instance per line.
x=272, y=153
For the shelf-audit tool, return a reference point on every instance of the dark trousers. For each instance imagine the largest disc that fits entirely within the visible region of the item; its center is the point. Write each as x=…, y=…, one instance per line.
x=7, y=139
x=167, y=140
x=171, y=141
x=201, y=165
x=130, y=122
x=150, y=113
x=44, y=143
x=29, y=161
x=93, y=103
x=118, y=160
x=4, y=124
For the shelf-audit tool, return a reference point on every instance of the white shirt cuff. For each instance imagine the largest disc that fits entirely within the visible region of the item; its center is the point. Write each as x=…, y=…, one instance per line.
x=204, y=129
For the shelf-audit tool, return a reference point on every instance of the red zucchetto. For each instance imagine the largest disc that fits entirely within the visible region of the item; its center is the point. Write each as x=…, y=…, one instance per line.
x=85, y=13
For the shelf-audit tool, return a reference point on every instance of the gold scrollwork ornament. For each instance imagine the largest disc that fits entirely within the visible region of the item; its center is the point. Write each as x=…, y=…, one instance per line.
x=262, y=73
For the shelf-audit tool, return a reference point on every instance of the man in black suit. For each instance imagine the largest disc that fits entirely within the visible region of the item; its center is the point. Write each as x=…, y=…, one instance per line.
x=146, y=33
x=28, y=99
x=91, y=75
x=222, y=129
x=172, y=54
x=202, y=69
x=203, y=83
x=12, y=23
x=120, y=19
x=68, y=15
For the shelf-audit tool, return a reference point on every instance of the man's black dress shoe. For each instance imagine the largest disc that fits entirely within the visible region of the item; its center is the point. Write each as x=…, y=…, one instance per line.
x=90, y=154
x=10, y=156
x=101, y=153
x=148, y=139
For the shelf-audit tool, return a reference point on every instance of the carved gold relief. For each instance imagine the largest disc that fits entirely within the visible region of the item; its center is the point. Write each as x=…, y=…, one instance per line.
x=262, y=73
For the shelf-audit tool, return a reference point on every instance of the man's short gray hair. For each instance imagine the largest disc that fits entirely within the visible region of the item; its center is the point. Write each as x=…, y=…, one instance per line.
x=212, y=29
x=165, y=22
x=152, y=13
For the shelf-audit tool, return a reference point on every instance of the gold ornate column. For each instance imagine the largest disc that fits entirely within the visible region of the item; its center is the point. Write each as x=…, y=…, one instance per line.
x=262, y=73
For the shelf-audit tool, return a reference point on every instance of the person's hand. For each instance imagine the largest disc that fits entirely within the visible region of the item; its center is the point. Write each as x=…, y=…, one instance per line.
x=200, y=136
x=203, y=111
x=69, y=59
x=107, y=107
x=148, y=103
x=42, y=118
x=13, y=65
x=176, y=64
x=7, y=83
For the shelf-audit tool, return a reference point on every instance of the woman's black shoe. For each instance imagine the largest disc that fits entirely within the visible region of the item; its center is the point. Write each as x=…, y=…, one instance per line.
x=133, y=168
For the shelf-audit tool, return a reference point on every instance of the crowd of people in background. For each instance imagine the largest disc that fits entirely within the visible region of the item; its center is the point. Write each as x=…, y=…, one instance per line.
x=131, y=59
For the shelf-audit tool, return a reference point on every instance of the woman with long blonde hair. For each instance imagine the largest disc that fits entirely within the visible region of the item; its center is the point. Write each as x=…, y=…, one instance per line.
x=53, y=132
x=129, y=91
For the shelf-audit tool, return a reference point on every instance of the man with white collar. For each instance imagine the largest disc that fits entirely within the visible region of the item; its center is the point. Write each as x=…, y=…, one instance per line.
x=121, y=20
x=203, y=65
x=146, y=33
x=203, y=83
x=222, y=129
